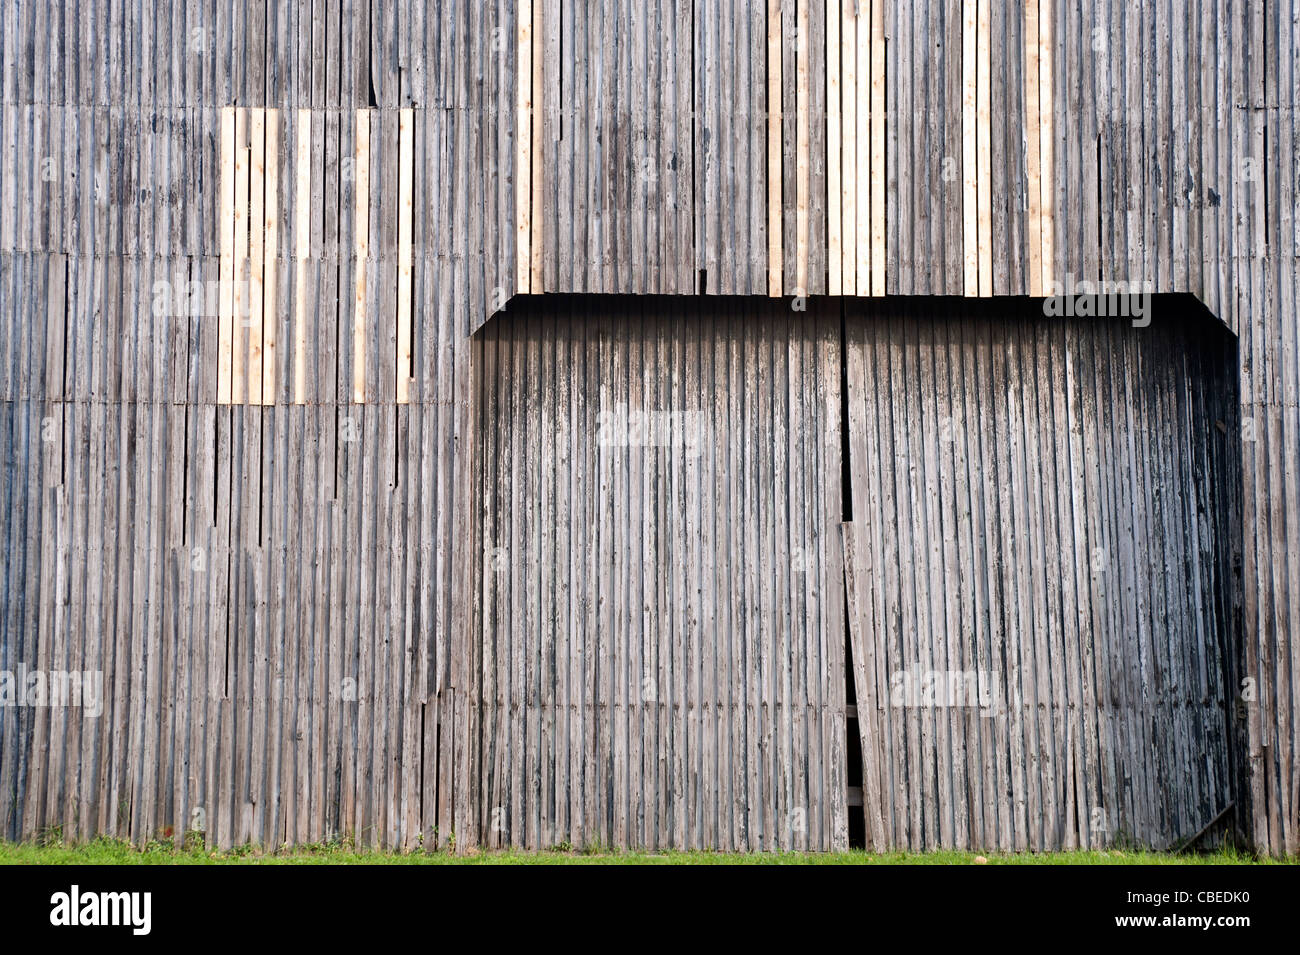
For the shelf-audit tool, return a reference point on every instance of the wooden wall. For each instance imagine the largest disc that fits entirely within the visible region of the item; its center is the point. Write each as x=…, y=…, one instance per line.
x=1164, y=158
x=266, y=580
x=654, y=161
x=1044, y=575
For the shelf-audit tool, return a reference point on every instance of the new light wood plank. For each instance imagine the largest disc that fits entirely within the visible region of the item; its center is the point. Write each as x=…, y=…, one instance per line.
x=1033, y=145
x=361, y=250
x=1047, y=138
x=243, y=288
x=865, y=101
x=878, y=171
x=251, y=369
x=775, y=266
x=523, y=145
x=834, y=133
x=970, y=137
x=271, y=260
x=803, y=149
x=256, y=255
x=851, y=194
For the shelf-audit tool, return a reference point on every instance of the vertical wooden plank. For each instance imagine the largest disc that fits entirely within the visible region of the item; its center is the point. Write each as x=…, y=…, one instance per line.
x=851, y=140
x=226, y=225
x=361, y=250
x=969, y=164
x=984, y=146
x=303, y=198
x=818, y=108
x=828, y=672
x=1006, y=143
x=862, y=633
x=1032, y=148
x=405, y=258
x=243, y=288
x=523, y=145
x=879, y=173
x=803, y=148
x=775, y=267
x=834, y=184
x=271, y=256
x=252, y=370
x=57, y=299
x=537, y=175
x=1046, y=151
x=864, y=100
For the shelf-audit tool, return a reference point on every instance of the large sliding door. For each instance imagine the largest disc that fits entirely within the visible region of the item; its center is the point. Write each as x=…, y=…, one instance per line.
x=660, y=610
x=1042, y=561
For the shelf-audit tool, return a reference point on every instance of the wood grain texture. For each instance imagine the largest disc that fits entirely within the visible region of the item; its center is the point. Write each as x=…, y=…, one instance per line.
x=198, y=548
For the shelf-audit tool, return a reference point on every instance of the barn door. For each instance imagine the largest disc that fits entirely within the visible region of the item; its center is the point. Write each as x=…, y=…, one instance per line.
x=1039, y=574
x=657, y=628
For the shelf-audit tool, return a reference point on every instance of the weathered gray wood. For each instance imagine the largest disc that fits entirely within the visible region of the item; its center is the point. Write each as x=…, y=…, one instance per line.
x=225, y=685
x=1042, y=737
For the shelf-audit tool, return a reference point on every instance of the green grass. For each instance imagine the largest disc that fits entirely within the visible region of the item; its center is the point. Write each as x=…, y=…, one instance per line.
x=114, y=852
